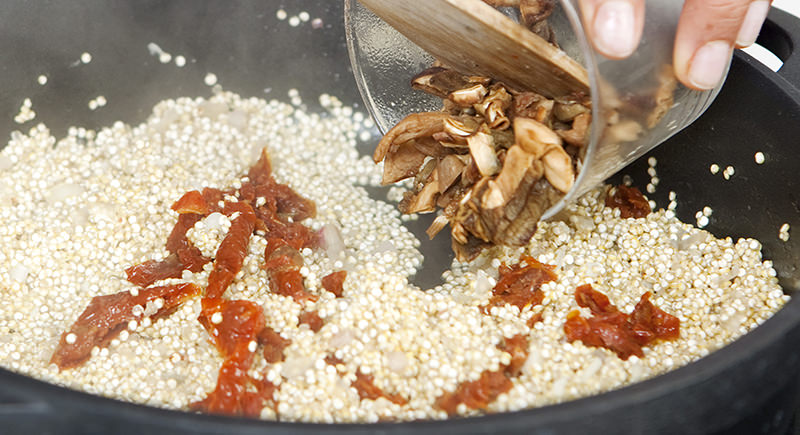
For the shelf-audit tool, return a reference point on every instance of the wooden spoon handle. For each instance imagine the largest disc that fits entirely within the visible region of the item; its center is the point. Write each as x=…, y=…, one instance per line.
x=475, y=38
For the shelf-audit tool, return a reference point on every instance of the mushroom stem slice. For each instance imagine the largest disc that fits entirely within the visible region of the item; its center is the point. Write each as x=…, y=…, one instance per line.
x=558, y=169
x=534, y=137
x=481, y=147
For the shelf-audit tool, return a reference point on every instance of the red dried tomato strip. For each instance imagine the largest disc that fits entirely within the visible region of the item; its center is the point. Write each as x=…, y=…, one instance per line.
x=334, y=282
x=232, y=326
x=232, y=251
x=520, y=284
x=261, y=172
x=177, y=238
x=478, y=394
x=106, y=316
x=624, y=334
x=366, y=388
x=283, y=263
x=145, y=274
x=517, y=347
x=312, y=319
x=191, y=202
x=273, y=345
x=629, y=200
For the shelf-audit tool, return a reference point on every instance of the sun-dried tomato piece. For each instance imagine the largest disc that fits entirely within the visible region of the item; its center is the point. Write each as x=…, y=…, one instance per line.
x=273, y=345
x=520, y=284
x=290, y=283
x=191, y=202
x=477, y=394
x=333, y=282
x=192, y=258
x=214, y=198
x=312, y=319
x=629, y=200
x=145, y=274
x=106, y=316
x=333, y=360
x=261, y=171
x=290, y=204
x=283, y=263
x=536, y=318
x=232, y=326
x=595, y=301
x=294, y=234
x=624, y=334
x=177, y=238
x=650, y=323
x=366, y=388
x=232, y=251
x=517, y=347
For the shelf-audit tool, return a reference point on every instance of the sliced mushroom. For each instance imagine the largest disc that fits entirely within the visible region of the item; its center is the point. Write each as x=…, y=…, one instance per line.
x=535, y=11
x=493, y=108
x=401, y=164
x=481, y=148
x=468, y=96
x=558, y=169
x=516, y=167
x=439, y=81
x=450, y=168
x=459, y=128
x=664, y=96
x=535, y=137
x=416, y=125
x=578, y=135
x=436, y=226
x=623, y=131
x=567, y=111
x=423, y=201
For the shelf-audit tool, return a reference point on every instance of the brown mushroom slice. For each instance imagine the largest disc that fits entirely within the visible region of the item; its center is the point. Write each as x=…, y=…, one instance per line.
x=535, y=11
x=441, y=81
x=459, y=128
x=436, y=226
x=403, y=163
x=558, y=169
x=425, y=200
x=664, y=96
x=578, y=135
x=493, y=108
x=468, y=96
x=529, y=206
x=502, y=3
x=449, y=168
x=534, y=137
x=544, y=111
x=623, y=131
x=517, y=164
x=414, y=126
x=567, y=111
x=481, y=148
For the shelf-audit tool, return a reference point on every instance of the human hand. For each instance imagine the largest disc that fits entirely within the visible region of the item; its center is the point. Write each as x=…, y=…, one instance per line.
x=708, y=31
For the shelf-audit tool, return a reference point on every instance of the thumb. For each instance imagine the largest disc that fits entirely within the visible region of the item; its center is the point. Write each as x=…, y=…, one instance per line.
x=708, y=31
x=613, y=26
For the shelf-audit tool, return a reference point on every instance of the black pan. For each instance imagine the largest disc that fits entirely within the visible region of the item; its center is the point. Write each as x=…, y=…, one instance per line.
x=748, y=387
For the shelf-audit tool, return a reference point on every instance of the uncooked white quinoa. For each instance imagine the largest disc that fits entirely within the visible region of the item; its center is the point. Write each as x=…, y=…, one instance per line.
x=77, y=211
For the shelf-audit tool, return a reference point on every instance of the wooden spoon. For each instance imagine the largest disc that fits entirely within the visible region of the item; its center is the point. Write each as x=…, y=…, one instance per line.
x=475, y=38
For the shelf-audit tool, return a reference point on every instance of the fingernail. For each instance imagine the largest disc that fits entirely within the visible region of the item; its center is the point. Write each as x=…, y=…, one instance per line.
x=709, y=63
x=614, y=29
x=756, y=14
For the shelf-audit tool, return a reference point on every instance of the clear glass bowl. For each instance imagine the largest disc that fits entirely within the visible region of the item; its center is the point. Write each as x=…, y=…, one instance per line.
x=630, y=91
